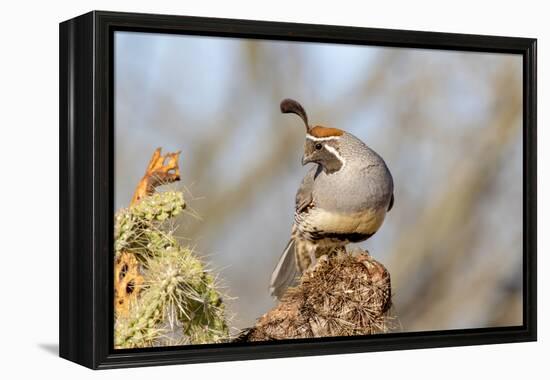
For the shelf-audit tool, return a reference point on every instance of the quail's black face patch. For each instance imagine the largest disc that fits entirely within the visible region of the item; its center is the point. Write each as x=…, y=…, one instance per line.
x=325, y=152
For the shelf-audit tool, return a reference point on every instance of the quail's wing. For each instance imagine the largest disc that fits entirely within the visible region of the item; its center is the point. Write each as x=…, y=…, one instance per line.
x=304, y=195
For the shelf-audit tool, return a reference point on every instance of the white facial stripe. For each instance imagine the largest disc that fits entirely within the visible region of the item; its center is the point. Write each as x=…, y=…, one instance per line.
x=336, y=154
x=308, y=136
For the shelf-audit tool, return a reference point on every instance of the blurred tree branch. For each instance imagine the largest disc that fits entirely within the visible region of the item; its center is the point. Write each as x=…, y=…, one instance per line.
x=418, y=253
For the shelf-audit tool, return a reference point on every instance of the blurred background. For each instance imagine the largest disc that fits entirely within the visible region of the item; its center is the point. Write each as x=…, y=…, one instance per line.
x=448, y=125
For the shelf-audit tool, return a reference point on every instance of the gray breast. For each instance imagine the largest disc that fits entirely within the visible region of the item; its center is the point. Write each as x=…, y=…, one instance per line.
x=363, y=183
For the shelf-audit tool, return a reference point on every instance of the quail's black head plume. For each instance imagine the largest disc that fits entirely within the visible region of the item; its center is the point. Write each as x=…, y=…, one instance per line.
x=292, y=106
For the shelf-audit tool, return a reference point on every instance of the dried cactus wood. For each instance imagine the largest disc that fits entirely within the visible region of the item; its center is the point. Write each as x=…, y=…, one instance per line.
x=162, y=169
x=128, y=282
x=341, y=296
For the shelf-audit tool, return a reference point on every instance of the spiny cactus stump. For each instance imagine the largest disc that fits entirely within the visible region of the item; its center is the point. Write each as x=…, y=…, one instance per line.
x=342, y=295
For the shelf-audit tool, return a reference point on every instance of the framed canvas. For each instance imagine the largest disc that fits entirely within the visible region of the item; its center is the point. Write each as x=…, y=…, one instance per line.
x=235, y=189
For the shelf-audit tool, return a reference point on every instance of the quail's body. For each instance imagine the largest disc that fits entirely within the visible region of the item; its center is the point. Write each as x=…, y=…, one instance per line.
x=350, y=204
x=342, y=199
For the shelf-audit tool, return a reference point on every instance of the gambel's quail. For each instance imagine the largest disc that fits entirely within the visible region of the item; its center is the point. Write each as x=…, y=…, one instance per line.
x=342, y=199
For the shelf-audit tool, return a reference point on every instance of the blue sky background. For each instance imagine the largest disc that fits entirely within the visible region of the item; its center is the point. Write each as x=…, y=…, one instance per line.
x=448, y=125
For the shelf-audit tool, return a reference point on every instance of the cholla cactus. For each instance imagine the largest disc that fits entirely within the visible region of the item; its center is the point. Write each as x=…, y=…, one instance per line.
x=137, y=227
x=164, y=294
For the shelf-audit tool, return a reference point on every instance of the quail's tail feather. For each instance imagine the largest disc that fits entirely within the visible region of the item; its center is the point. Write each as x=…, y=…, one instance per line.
x=285, y=273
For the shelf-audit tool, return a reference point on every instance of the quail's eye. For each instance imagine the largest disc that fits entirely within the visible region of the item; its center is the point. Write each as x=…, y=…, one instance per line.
x=318, y=146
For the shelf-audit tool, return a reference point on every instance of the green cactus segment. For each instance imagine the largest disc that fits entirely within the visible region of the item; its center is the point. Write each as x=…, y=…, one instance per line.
x=138, y=229
x=179, y=303
x=142, y=327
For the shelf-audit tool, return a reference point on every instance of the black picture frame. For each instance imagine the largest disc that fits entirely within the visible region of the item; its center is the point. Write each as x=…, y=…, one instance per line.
x=86, y=188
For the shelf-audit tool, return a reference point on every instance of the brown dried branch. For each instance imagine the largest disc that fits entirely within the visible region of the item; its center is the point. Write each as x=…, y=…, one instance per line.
x=160, y=171
x=128, y=282
x=342, y=295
